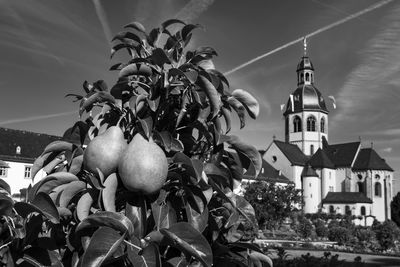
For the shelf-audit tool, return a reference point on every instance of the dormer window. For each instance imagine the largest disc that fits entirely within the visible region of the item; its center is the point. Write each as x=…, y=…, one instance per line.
x=18, y=150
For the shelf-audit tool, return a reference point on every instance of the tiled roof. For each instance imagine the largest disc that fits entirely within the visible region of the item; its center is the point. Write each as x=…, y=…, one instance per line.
x=32, y=144
x=270, y=174
x=320, y=160
x=308, y=171
x=345, y=198
x=368, y=159
x=342, y=155
x=292, y=152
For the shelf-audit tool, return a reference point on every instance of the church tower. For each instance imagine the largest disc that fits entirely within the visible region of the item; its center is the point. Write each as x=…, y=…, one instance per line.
x=306, y=115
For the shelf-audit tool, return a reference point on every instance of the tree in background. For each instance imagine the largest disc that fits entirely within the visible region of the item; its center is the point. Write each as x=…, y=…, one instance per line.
x=273, y=203
x=395, y=209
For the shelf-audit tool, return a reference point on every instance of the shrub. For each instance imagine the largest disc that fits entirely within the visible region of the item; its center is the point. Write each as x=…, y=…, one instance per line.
x=339, y=234
x=386, y=234
x=320, y=228
x=305, y=227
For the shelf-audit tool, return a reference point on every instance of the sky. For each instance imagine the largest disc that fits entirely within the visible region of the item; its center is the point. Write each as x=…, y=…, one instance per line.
x=48, y=48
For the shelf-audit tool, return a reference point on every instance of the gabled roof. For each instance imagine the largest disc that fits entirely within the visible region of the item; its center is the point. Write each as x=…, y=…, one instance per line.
x=342, y=155
x=368, y=159
x=31, y=144
x=269, y=174
x=308, y=171
x=320, y=160
x=292, y=153
x=345, y=198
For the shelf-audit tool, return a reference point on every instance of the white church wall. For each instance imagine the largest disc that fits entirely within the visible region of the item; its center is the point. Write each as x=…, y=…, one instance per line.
x=311, y=194
x=328, y=181
x=278, y=160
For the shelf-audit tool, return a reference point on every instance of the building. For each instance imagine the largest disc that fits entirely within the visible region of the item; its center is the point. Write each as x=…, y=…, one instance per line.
x=335, y=178
x=18, y=151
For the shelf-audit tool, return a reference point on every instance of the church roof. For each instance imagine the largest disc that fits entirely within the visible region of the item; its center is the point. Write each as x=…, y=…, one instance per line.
x=306, y=97
x=31, y=144
x=342, y=155
x=292, y=153
x=320, y=160
x=368, y=159
x=345, y=198
x=308, y=171
x=305, y=63
x=269, y=174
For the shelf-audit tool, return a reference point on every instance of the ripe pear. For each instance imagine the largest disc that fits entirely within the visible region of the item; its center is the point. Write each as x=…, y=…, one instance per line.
x=143, y=166
x=104, y=151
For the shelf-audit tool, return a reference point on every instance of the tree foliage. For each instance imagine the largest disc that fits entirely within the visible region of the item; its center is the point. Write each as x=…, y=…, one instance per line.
x=177, y=98
x=272, y=202
x=395, y=209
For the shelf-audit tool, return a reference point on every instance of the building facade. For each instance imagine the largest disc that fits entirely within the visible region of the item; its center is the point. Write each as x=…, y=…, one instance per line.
x=18, y=151
x=335, y=178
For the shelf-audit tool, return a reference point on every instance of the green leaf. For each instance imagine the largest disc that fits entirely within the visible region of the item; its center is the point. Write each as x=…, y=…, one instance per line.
x=249, y=102
x=250, y=152
x=227, y=116
x=58, y=146
x=187, y=29
x=113, y=220
x=153, y=36
x=190, y=241
x=172, y=21
x=147, y=126
x=71, y=190
x=147, y=257
x=212, y=94
x=5, y=186
x=239, y=108
x=163, y=213
x=159, y=57
x=40, y=257
x=104, y=242
x=140, y=69
x=6, y=203
x=127, y=35
x=136, y=25
x=136, y=212
x=44, y=203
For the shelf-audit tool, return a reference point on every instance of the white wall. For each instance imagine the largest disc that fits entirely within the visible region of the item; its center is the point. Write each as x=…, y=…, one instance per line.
x=311, y=194
x=15, y=176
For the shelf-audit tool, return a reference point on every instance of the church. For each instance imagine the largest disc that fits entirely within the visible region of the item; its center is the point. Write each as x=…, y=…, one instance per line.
x=343, y=178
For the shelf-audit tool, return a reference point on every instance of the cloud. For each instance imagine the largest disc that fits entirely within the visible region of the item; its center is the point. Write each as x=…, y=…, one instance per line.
x=387, y=150
x=193, y=10
x=36, y=118
x=101, y=14
x=371, y=89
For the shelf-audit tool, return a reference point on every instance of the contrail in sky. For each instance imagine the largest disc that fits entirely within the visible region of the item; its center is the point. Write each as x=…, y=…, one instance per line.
x=320, y=30
x=35, y=118
x=193, y=9
x=103, y=20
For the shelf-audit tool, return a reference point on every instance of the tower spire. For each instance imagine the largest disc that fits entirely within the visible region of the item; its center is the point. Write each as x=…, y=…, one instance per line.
x=305, y=45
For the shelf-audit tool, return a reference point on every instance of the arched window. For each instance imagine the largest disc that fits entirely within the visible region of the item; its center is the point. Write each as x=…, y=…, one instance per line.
x=360, y=187
x=311, y=149
x=311, y=124
x=322, y=125
x=378, y=189
x=331, y=209
x=297, y=124
x=307, y=77
x=302, y=77
x=347, y=210
x=362, y=210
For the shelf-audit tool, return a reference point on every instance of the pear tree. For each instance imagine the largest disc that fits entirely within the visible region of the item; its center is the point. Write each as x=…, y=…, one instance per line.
x=149, y=181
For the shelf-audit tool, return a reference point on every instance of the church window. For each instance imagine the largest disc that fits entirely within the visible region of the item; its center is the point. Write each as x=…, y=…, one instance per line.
x=297, y=124
x=311, y=149
x=302, y=77
x=330, y=188
x=362, y=211
x=274, y=158
x=359, y=176
x=311, y=124
x=331, y=209
x=377, y=177
x=347, y=210
x=287, y=126
x=310, y=184
x=322, y=125
x=307, y=77
x=18, y=150
x=378, y=189
x=360, y=187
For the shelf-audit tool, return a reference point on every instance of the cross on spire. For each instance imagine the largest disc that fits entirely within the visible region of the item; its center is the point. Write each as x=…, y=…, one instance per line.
x=305, y=45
